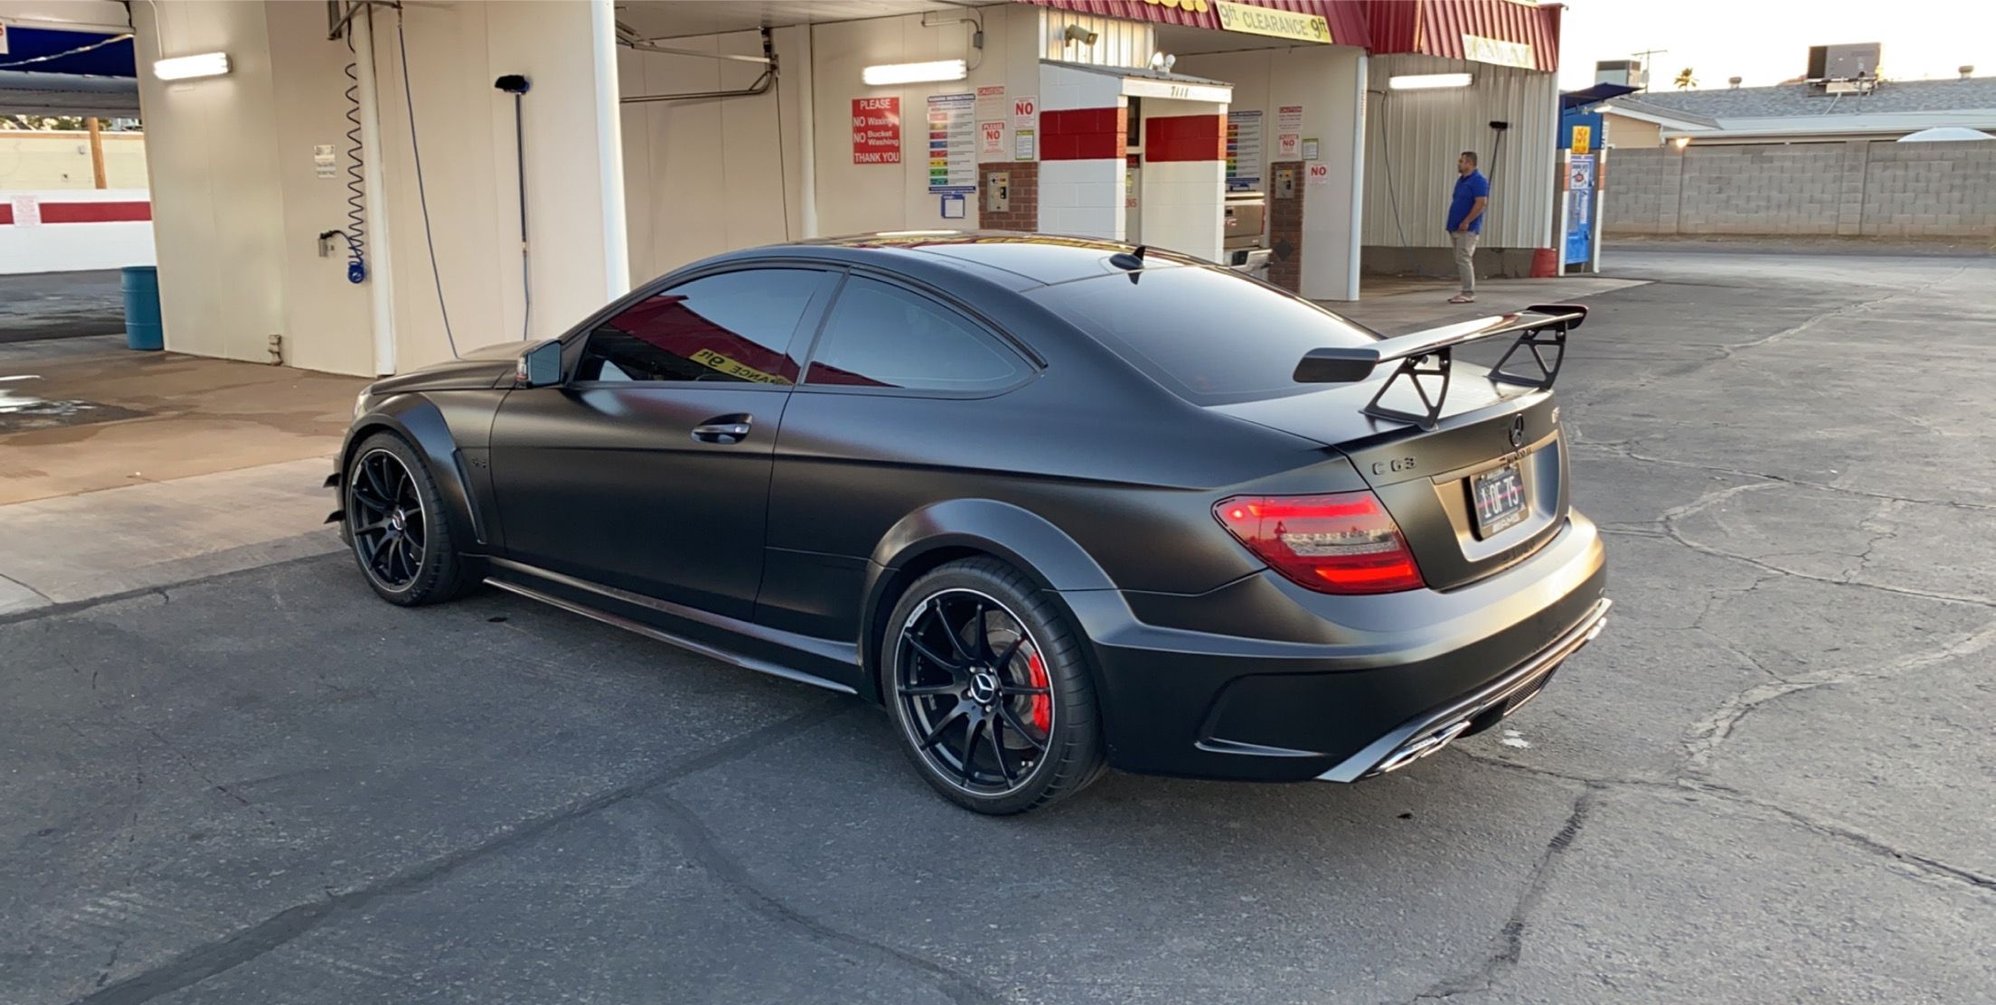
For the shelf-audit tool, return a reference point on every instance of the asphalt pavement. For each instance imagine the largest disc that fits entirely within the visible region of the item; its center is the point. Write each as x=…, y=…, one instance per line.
x=44, y=305
x=1769, y=781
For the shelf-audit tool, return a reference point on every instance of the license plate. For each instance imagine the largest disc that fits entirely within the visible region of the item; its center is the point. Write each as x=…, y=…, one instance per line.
x=1499, y=496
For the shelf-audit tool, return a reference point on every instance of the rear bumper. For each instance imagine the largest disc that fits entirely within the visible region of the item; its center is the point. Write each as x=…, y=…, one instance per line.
x=1356, y=686
x=1468, y=716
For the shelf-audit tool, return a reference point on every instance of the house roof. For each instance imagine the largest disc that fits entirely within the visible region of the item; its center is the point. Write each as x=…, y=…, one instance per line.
x=1635, y=107
x=1786, y=100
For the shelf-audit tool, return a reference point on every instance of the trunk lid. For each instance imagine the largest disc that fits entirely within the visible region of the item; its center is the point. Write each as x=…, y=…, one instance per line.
x=1426, y=477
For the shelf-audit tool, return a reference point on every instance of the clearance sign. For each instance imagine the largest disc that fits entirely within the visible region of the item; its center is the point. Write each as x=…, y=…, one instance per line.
x=1254, y=20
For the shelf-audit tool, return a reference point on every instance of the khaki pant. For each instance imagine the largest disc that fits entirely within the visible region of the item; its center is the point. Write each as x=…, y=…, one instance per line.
x=1465, y=250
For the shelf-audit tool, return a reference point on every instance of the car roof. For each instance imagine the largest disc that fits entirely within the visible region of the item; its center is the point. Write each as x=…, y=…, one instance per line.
x=1026, y=260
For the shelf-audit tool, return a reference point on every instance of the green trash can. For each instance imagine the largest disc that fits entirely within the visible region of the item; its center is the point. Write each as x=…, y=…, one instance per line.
x=143, y=329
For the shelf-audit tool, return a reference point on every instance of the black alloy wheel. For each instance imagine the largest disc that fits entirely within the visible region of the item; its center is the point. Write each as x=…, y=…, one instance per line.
x=387, y=520
x=986, y=682
x=394, y=519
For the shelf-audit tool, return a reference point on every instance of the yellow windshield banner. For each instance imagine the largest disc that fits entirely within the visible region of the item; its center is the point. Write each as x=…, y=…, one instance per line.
x=1255, y=20
x=735, y=368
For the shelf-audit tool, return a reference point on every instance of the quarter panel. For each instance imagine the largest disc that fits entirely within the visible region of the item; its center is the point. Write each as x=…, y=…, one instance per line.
x=1132, y=482
x=444, y=426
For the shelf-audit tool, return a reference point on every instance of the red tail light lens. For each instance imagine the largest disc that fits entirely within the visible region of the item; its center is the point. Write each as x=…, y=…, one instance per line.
x=1344, y=543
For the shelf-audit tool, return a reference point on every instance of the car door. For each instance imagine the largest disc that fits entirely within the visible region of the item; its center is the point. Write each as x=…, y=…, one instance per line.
x=648, y=468
x=903, y=404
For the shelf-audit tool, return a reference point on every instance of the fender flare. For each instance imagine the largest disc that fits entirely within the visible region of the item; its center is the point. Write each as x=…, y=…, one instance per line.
x=417, y=420
x=1019, y=537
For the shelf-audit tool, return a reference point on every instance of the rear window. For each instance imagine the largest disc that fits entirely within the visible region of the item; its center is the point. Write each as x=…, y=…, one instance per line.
x=1212, y=337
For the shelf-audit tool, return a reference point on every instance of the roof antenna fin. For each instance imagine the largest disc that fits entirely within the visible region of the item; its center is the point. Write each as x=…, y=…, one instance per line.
x=1132, y=260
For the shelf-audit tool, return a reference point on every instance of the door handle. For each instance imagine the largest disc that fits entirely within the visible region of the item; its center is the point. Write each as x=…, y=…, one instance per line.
x=724, y=429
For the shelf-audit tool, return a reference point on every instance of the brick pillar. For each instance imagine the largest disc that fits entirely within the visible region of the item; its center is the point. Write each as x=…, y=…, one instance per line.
x=1850, y=191
x=1025, y=197
x=1285, y=227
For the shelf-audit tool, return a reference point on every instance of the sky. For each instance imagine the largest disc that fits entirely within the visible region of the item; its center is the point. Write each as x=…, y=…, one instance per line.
x=1767, y=41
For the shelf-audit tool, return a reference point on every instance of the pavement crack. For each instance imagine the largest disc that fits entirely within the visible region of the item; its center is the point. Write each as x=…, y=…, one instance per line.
x=1914, y=861
x=1669, y=518
x=1729, y=351
x=700, y=845
x=246, y=944
x=1624, y=450
x=1509, y=944
x=1705, y=737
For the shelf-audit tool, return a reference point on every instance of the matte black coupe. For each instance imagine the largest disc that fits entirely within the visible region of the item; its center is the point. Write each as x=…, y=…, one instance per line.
x=1060, y=505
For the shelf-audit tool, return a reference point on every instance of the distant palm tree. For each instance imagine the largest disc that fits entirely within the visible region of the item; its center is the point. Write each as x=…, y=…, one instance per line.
x=1685, y=79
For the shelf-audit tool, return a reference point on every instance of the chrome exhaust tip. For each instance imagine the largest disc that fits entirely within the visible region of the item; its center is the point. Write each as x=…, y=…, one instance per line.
x=1421, y=746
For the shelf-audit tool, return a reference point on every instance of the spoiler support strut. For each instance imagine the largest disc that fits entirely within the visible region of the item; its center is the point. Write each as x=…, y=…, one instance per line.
x=1427, y=358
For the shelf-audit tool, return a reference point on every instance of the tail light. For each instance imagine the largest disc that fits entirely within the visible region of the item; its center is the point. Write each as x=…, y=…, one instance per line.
x=1343, y=543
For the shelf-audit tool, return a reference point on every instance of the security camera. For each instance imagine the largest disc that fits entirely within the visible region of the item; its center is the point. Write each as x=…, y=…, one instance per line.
x=1076, y=33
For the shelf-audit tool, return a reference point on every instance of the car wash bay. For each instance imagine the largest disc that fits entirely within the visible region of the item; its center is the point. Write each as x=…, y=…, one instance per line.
x=638, y=138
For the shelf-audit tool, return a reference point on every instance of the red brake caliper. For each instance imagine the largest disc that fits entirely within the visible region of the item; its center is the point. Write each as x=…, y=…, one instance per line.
x=1036, y=672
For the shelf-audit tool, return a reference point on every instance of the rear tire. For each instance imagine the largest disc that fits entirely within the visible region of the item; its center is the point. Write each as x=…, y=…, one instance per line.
x=984, y=677
x=395, y=525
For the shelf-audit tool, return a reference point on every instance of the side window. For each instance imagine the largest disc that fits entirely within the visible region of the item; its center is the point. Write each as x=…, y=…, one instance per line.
x=735, y=326
x=880, y=335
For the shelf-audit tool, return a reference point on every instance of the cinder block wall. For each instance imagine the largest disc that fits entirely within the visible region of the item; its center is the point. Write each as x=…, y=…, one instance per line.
x=1854, y=189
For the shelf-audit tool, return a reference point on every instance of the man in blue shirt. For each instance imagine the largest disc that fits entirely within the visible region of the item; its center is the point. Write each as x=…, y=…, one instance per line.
x=1465, y=221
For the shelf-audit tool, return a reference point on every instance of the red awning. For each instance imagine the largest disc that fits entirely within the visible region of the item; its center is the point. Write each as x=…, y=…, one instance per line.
x=1507, y=32
x=1345, y=17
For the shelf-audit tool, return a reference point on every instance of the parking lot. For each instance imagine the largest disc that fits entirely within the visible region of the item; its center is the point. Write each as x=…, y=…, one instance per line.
x=1768, y=781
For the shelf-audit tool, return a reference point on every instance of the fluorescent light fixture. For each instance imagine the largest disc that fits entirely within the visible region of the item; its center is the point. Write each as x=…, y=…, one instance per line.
x=887, y=74
x=207, y=64
x=1427, y=81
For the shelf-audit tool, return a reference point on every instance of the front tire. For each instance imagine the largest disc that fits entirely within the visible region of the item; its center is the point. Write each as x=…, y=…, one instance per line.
x=396, y=526
x=985, y=680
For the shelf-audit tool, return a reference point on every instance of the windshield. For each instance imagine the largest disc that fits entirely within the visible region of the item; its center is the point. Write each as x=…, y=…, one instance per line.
x=1211, y=336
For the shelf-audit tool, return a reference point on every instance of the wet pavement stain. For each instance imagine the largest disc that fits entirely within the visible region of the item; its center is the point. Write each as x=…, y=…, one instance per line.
x=22, y=411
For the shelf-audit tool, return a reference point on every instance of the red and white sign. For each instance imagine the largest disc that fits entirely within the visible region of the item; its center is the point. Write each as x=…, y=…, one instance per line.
x=991, y=103
x=991, y=142
x=25, y=211
x=1316, y=172
x=1024, y=110
x=876, y=130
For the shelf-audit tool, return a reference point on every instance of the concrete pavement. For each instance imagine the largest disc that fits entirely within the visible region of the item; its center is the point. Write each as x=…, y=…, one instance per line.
x=1767, y=782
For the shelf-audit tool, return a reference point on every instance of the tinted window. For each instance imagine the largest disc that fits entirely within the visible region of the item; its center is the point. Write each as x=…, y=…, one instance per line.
x=879, y=335
x=1209, y=335
x=735, y=326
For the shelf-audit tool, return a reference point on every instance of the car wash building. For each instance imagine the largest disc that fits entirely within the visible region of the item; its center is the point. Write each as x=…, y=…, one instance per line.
x=365, y=187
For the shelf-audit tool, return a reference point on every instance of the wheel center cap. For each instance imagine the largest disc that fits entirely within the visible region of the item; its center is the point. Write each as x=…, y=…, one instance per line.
x=983, y=686
x=398, y=520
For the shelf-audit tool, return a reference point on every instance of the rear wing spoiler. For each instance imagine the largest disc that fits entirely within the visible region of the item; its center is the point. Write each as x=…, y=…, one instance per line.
x=1537, y=328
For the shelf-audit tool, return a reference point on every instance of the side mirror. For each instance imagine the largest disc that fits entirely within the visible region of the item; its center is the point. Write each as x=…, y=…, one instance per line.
x=539, y=365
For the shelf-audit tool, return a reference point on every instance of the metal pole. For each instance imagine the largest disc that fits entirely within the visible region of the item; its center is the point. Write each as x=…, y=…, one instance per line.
x=526, y=267
x=807, y=137
x=1565, y=207
x=610, y=152
x=1600, y=197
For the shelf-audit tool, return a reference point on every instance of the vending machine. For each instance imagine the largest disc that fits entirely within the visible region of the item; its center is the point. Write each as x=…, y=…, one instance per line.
x=1582, y=174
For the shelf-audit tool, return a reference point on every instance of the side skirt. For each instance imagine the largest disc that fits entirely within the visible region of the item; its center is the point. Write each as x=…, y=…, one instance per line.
x=651, y=617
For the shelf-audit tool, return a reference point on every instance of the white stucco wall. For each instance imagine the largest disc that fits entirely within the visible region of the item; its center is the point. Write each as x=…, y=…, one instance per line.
x=238, y=202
